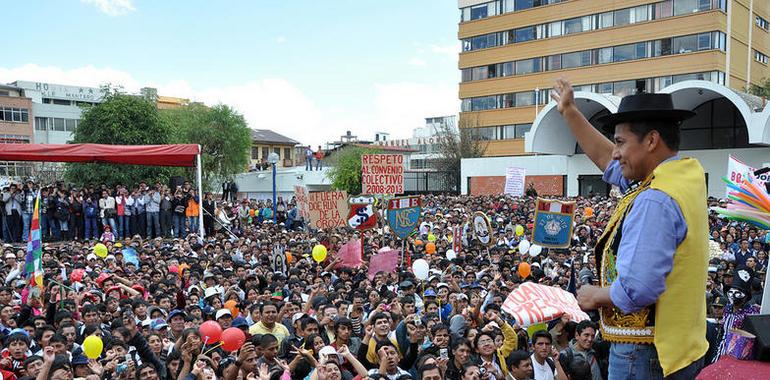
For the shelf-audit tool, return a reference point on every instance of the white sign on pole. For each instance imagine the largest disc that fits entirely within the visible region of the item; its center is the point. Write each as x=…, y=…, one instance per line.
x=514, y=181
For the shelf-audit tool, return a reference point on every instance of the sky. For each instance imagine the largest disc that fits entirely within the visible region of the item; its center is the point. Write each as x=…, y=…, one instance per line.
x=308, y=69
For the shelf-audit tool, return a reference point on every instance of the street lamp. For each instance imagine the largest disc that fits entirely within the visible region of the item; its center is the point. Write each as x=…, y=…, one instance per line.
x=273, y=158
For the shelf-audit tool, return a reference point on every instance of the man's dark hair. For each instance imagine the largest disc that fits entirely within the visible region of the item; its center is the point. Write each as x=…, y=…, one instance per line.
x=262, y=306
x=57, y=338
x=384, y=343
x=515, y=358
x=541, y=334
x=584, y=325
x=668, y=131
x=306, y=321
x=31, y=360
x=438, y=327
x=267, y=340
x=342, y=321
x=378, y=316
x=426, y=368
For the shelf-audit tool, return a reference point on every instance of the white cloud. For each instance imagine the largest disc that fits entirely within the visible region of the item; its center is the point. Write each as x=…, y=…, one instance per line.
x=280, y=40
x=451, y=52
x=415, y=61
x=112, y=7
x=278, y=104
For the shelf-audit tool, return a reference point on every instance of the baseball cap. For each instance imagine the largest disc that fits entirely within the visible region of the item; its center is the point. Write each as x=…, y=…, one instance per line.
x=223, y=312
x=429, y=293
x=298, y=316
x=158, y=324
x=240, y=322
x=176, y=312
x=79, y=360
x=330, y=353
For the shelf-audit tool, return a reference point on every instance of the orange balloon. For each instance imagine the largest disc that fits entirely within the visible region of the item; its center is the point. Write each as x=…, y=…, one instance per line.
x=524, y=270
x=430, y=248
x=233, y=307
x=289, y=258
x=418, y=242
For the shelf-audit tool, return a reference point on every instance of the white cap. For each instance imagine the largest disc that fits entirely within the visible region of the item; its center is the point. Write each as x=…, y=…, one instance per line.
x=212, y=291
x=222, y=312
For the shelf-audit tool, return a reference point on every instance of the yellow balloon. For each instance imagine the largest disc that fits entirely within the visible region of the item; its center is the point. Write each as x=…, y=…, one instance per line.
x=431, y=237
x=92, y=346
x=319, y=253
x=100, y=250
x=519, y=230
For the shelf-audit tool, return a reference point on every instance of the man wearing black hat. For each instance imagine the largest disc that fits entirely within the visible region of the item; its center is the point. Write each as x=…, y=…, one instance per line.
x=651, y=299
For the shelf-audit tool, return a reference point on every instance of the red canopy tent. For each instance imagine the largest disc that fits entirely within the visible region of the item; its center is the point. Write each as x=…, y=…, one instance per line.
x=187, y=155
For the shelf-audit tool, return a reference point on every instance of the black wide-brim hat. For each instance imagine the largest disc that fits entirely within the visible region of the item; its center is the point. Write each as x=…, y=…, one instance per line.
x=645, y=107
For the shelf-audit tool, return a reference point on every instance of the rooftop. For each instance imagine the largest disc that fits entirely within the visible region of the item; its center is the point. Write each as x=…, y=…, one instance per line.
x=268, y=136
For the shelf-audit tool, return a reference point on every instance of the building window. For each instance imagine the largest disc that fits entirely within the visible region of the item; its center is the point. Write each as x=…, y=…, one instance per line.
x=524, y=99
x=479, y=11
x=606, y=20
x=61, y=102
x=623, y=53
x=287, y=153
x=70, y=125
x=528, y=66
x=683, y=7
x=14, y=115
x=254, y=153
x=574, y=25
x=761, y=22
x=760, y=57
x=685, y=44
x=41, y=123
x=622, y=17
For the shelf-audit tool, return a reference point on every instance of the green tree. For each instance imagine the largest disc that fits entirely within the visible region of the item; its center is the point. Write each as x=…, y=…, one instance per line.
x=761, y=90
x=223, y=134
x=345, y=168
x=120, y=119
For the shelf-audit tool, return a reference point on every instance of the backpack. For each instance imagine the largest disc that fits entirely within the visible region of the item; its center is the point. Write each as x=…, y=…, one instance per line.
x=62, y=212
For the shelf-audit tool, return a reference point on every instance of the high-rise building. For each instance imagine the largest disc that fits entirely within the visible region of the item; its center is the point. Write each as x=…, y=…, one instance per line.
x=514, y=50
x=16, y=125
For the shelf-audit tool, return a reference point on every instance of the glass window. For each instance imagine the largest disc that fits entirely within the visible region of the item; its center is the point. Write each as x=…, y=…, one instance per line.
x=508, y=100
x=521, y=129
x=7, y=114
x=704, y=41
x=491, y=71
x=468, y=44
x=662, y=47
x=480, y=73
x=570, y=60
x=704, y=5
x=58, y=124
x=525, y=98
x=508, y=6
x=507, y=69
x=605, y=55
x=623, y=53
x=574, y=25
x=525, y=34
x=622, y=17
x=24, y=115
x=682, y=7
x=487, y=133
x=62, y=102
x=70, y=125
x=555, y=29
x=606, y=20
x=640, y=14
x=41, y=123
x=254, y=153
x=466, y=105
x=664, y=9
x=509, y=132
x=467, y=75
x=479, y=11
x=641, y=50
x=554, y=62
x=685, y=44
x=524, y=4
x=16, y=114
x=528, y=66
x=604, y=88
x=624, y=88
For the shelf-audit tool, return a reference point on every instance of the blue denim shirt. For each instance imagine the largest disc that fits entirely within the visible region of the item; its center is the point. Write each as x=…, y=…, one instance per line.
x=652, y=231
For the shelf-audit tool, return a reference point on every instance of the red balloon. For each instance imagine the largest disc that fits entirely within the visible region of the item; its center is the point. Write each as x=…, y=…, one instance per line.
x=232, y=339
x=210, y=331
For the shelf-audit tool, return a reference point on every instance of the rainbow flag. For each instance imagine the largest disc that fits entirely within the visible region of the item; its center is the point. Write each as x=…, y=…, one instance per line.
x=34, y=259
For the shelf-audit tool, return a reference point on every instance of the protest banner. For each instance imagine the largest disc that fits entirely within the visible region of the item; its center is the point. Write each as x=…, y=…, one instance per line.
x=553, y=223
x=382, y=174
x=482, y=229
x=362, y=216
x=350, y=254
x=385, y=260
x=514, y=181
x=300, y=195
x=328, y=209
x=533, y=303
x=403, y=215
x=278, y=259
x=457, y=239
x=737, y=171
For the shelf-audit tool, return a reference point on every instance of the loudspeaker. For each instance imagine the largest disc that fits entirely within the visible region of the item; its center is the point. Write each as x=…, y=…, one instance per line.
x=175, y=181
x=759, y=325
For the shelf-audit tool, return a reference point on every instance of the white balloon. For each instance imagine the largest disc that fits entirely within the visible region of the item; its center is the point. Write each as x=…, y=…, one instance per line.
x=420, y=268
x=451, y=254
x=535, y=250
x=524, y=246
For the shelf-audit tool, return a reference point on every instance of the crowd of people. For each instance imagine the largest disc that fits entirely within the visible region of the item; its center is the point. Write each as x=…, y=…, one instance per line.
x=318, y=321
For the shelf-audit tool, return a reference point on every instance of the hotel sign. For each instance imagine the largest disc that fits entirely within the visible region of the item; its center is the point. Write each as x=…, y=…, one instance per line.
x=87, y=94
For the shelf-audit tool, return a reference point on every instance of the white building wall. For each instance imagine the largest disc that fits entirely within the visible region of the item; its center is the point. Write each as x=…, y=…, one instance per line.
x=714, y=163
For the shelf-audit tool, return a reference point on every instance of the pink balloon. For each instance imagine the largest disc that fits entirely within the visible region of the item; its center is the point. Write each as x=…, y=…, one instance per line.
x=210, y=331
x=232, y=339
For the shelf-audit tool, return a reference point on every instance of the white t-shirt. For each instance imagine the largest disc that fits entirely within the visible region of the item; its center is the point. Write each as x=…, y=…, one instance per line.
x=541, y=372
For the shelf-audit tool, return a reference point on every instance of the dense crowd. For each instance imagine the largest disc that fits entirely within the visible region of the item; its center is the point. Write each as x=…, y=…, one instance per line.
x=312, y=320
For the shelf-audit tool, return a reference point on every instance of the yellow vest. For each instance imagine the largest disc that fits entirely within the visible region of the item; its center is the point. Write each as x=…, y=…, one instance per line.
x=676, y=324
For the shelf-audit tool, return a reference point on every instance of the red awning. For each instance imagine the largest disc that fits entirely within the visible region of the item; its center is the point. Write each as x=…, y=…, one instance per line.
x=157, y=155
